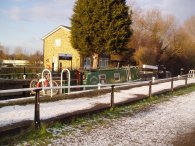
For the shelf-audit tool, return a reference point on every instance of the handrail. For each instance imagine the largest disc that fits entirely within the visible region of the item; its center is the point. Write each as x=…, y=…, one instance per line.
x=102, y=85
x=68, y=79
x=37, y=119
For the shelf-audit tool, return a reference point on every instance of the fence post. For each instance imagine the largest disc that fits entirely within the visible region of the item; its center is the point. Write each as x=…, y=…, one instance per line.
x=37, y=109
x=186, y=81
x=112, y=96
x=150, y=88
x=172, y=85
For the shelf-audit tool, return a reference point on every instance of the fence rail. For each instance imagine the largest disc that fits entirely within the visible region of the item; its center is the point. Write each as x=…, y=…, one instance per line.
x=112, y=87
x=18, y=72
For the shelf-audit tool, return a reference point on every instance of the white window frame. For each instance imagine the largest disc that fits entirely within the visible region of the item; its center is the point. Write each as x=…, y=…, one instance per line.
x=117, y=75
x=102, y=79
x=87, y=63
x=103, y=62
x=57, y=42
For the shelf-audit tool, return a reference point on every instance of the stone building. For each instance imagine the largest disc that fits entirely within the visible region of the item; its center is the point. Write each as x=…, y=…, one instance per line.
x=57, y=50
x=59, y=53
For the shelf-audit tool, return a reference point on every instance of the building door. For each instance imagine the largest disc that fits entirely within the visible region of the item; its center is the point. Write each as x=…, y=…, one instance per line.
x=55, y=62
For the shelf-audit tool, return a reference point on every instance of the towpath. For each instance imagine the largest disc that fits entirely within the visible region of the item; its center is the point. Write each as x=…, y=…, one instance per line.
x=17, y=113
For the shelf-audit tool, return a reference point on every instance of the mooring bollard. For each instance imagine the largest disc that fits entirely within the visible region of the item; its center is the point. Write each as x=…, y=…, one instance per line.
x=24, y=77
x=150, y=88
x=112, y=96
x=172, y=85
x=37, y=110
x=99, y=86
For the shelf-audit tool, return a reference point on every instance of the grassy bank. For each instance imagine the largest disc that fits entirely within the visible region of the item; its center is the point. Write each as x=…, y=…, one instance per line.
x=91, y=121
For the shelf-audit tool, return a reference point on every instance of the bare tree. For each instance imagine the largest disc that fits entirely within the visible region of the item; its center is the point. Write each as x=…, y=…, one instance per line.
x=152, y=32
x=19, y=54
x=36, y=59
x=189, y=26
x=3, y=52
x=145, y=55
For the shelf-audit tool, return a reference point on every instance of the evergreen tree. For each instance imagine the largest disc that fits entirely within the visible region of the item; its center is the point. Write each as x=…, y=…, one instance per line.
x=100, y=27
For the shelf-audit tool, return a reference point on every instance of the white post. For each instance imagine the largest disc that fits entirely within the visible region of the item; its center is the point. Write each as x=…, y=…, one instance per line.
x=68, y=79
x=153, y=78
x=24, y=77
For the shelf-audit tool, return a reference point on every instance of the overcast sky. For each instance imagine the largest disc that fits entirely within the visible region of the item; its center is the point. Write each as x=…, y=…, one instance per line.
x=24, y=22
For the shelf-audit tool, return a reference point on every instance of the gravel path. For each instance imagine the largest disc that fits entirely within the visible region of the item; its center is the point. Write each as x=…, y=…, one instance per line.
x=158, y=126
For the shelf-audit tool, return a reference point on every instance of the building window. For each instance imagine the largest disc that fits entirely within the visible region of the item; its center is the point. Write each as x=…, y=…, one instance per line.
x=57, y=42
x=103, y=62
x=117, y=76
x=102, y=78
x=87, y=63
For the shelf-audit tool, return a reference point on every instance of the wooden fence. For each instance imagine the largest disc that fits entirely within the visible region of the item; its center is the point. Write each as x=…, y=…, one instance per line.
x=112, y=88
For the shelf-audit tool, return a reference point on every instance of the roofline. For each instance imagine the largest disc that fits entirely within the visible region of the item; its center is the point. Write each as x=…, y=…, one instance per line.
x=61, y=26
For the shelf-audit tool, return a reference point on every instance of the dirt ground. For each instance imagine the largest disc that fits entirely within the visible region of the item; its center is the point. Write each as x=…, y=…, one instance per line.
x=185, y=140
